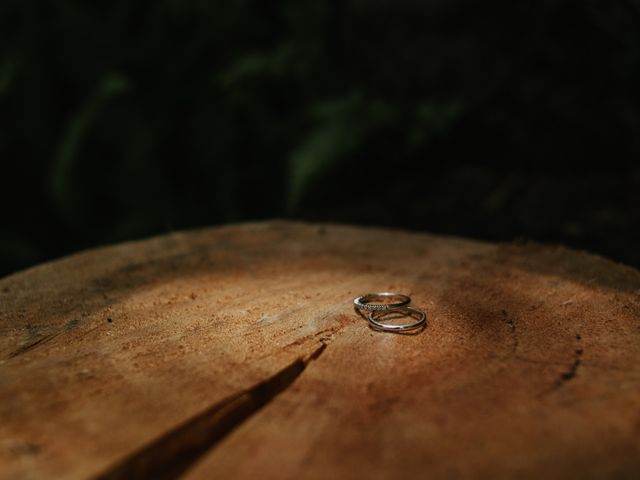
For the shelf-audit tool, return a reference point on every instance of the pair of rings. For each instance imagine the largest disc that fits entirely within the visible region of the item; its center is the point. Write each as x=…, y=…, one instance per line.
x=381, y=304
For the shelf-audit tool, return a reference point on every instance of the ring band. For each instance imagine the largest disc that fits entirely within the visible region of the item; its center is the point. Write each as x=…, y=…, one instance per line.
x=363, y=302
x=393, y=327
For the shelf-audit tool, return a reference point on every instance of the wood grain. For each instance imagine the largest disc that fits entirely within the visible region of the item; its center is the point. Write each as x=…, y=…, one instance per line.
x=235, y=353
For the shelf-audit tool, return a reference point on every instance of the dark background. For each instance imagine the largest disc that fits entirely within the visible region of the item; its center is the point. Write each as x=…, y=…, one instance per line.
x=492, y=120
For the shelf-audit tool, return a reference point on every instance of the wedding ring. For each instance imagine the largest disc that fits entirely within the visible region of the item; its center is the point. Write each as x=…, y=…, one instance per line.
x=375, y=316
x=364, y=302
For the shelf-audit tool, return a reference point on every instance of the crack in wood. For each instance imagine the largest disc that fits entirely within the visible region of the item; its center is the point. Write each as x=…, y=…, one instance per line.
x=570, y=373
x=573, y=370
x=32, y=345
x=169, y=456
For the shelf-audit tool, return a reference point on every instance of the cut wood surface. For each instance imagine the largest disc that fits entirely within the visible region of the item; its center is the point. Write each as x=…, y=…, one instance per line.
x=236, y=353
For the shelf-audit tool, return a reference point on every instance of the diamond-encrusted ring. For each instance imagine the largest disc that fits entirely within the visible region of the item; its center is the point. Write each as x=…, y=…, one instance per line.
x=364, y=302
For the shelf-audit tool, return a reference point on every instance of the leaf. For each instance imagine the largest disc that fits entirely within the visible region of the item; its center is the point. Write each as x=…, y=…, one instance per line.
x=8, y=69
x=342, y=126
x=61, y=181
x=250, y=66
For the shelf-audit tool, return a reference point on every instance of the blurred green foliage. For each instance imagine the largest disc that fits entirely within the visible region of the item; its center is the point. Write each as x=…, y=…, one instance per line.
x=124, y=119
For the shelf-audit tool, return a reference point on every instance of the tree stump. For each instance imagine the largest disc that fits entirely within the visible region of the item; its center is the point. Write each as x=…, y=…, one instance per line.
x=235, y=352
